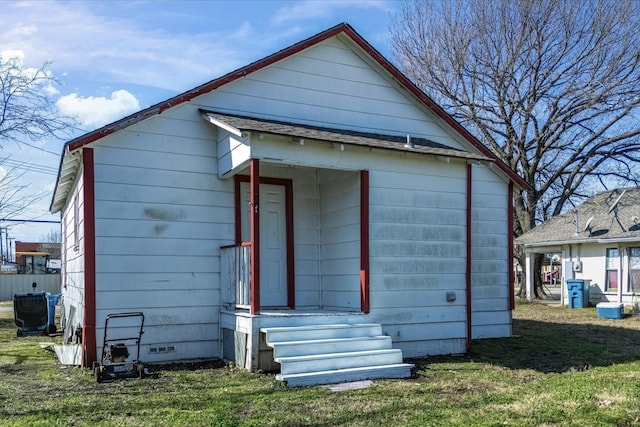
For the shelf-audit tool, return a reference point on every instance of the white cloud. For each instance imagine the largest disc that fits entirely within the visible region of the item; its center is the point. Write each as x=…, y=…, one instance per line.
x=94, y=112
x=80, y=38
x=50, y=90
x=12, y=54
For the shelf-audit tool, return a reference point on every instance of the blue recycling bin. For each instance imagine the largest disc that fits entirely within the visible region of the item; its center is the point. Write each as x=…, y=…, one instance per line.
x=52, y=300
x=578, y=293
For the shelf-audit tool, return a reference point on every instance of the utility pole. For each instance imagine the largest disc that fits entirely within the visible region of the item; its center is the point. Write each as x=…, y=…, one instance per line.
x=10, y=250
x=8, y=246
x=1, y=249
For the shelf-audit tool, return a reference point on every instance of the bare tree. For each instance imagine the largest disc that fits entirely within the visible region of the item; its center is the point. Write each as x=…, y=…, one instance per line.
x=53, y=236
x=27, y=113
x=552, y=87
x=16, y=196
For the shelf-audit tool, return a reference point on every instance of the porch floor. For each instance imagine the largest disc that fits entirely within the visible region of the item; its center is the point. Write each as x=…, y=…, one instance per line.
x=287, y=312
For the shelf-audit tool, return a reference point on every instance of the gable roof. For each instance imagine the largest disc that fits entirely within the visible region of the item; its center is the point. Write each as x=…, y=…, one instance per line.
x=340, y=136
x=69, y=166
x=607, y=217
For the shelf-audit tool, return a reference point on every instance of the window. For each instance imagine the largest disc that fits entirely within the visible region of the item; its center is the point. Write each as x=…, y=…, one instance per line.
x=611, y=279
x=634, y=269
x=34, y=264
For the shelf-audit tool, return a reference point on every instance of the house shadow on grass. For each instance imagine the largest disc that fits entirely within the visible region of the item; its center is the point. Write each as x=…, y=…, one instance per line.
x=555, y=347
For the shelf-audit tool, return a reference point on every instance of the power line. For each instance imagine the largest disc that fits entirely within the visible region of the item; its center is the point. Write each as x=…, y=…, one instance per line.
x=35, y=147
x=31, y=167
x=30, y=220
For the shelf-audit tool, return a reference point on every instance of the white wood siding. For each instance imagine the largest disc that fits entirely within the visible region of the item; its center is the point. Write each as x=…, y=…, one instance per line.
x=490, y=264
x=327, y=85
x=340, y=240
x=232, y=151
x=72, y=272
x=161, y=216
x=417, y=227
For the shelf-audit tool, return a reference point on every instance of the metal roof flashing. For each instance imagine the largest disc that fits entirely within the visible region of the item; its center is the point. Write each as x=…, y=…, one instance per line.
x=238, y=124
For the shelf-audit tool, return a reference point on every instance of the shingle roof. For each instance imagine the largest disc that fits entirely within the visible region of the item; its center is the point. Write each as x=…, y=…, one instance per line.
x=598, y=219
x=341, y=136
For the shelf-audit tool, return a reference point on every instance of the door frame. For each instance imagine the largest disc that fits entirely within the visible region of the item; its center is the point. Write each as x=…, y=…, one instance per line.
x=288, y=191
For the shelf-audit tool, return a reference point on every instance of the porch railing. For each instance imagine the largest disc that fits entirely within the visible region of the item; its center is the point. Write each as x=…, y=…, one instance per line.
x=235, y=275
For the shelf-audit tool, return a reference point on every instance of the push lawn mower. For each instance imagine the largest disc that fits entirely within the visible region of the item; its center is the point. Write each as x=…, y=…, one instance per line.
x=115, y=361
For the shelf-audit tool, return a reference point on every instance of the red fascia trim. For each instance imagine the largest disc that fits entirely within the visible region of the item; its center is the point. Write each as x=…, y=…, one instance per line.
x=469, y=255
x=254, y=183
x=89, y=321
x=298, y=47
x=512, y=279
x=209, y=86
x=288, y=185
x=418, y=93
x=365, y=302
x=89, y=138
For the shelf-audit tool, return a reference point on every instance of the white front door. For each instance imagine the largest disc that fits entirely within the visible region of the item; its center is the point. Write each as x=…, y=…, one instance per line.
x=273, y=242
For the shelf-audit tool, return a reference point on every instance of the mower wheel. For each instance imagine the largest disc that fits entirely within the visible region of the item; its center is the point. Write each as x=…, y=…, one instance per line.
x=97, y=372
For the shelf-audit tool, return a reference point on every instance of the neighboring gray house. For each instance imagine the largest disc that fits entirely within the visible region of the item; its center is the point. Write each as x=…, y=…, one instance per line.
x=597, y=241
x=316, y=190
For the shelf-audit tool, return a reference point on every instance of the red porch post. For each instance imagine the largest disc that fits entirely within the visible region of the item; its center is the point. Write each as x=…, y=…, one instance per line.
x=254, y=183
x=364, y=241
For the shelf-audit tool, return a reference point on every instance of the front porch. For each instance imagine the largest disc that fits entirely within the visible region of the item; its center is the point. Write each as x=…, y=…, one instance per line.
x=299, y=266
x=244, y=344
x=298, y=258
x=311, y=348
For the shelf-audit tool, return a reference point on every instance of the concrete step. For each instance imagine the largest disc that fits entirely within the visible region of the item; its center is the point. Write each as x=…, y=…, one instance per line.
x=319, y=332
x=400, y=370
x=333, y=361
x=334, y=345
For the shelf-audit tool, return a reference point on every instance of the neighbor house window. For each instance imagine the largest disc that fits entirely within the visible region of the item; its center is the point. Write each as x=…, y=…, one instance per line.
x=634, y=269
x=611, y=281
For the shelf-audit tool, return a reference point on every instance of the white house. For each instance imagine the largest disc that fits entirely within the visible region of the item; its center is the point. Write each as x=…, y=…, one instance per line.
x=316, y=188
x=598, y=242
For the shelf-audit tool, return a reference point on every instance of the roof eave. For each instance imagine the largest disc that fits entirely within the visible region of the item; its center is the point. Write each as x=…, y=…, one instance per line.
x=580, y=241
x=438, y=110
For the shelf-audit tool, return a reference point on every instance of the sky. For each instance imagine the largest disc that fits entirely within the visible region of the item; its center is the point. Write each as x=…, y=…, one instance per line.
x=113, y=58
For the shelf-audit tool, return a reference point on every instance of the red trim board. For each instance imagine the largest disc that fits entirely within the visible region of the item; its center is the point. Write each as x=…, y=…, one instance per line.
x=254, y=183
x=365, y=302
x=89, y=320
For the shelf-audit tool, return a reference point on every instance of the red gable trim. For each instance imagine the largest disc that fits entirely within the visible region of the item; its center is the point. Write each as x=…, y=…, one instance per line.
x=298, y=47
x=418, y=93
x=207, y=87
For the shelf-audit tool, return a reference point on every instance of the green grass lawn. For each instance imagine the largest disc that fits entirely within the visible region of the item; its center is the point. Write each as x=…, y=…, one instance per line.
x=564, y=368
